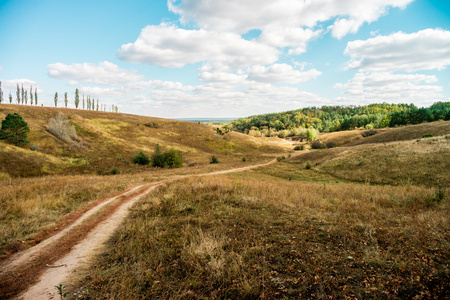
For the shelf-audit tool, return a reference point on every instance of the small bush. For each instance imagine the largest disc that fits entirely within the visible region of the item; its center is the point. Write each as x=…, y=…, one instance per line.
x=244, y=159
x=34, y=148
x=114, y=171
x=308, y=165
x=298, y=147
x=280, y=158
x=331, y=144
x=151, y=125
x=214, y=160
x=427, y=136
x=141, y=159
x=173, y=159
x=317, y=145
x=369, y=132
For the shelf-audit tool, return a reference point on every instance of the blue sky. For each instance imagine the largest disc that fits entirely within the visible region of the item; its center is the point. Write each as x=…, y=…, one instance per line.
x=227, y=58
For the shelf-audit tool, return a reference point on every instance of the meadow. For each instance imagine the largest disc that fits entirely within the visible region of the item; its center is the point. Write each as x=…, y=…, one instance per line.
x=366, y=219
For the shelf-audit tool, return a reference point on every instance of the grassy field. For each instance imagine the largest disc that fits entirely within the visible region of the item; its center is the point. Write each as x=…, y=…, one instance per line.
x=246, y=237
x=109, y=140
x=368, y=219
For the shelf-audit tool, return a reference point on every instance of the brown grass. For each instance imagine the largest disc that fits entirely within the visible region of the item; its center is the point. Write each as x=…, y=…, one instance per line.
x=419, y=162
x=107, y=140
x=241, y=236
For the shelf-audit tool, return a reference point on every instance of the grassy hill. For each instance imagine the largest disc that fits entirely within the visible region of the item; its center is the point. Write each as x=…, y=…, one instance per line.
x=392, y=156
x=105, y=140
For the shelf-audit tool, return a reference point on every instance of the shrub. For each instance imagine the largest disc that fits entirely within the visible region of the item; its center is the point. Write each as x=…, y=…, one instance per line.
x=280, y=158
x=61, y=128
x=244, y=159
x=173, y=159
x=317, y=145
x=369, y=132
x=114, y=171
x=15, y=130
x=158, y=159
x=427, y=136
x=141, y=159
x=214, y=160
x=308, y=165
x=34, y=148
x=283, y=133
x=311, y=134
x=331, y=144
x=299, y=147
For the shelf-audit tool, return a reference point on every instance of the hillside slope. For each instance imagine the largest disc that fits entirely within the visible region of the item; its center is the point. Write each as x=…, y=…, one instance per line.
x=106, y=140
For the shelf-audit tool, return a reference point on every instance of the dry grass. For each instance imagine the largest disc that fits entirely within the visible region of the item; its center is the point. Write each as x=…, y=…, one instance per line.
x=107, y=140
x=32, y=205
x=243, y=237
x=419, y=162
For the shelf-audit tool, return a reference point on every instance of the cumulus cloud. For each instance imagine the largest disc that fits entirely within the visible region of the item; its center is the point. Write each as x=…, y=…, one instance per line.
x=367, y=87
x=172, y=47
x=105, y=73
x=280, y=73
x=428, y=49
x=281, y=37
x=11, y=85
x=242, y=16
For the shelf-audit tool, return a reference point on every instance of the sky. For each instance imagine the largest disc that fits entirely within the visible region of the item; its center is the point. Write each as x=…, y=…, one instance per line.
x=227, y=58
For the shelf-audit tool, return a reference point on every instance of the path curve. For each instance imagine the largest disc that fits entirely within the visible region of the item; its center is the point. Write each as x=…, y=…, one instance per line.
x=80, y=253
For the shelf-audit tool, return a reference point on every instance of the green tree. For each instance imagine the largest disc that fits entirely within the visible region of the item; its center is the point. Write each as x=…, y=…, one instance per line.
x=31, y=95
x=158, y=159
x=35, y=96
x=26, y=97
x=93, y=104
x=56, y=99
x=23, y=94
x=14, y=130
x=83, y=102
x=97, y=104
x=173, y=159
x=10, y=98
x=18, y=94
x=77, y=98
x=65, y=99
x=311, y=134
x=1, y=93
x=141, y=158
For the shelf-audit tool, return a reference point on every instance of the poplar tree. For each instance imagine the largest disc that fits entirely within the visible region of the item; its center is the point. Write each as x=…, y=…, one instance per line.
x=93, y=104
x=56, y=99
x=31, y=95
x=23, y=94
x=18, y=94
x=35, y=96
x=1, y=93
x=77, y=98
x=65, y=99
x=83, y=101
x=97, y=104
x=10, y=98
x=26, y=96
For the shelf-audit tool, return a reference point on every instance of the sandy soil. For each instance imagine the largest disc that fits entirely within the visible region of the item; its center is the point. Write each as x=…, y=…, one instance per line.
x=85, y=248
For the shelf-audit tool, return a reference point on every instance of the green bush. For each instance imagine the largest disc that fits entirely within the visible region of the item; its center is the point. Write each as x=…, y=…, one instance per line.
x=158, y=159
x=114, y=171
x=331, y=144
x=214, y=160
x=173, y=159
x=141, y=159
x=308, y=165
x=244, y=159
x=427, y=136
x=369, y=132
x=317, y=145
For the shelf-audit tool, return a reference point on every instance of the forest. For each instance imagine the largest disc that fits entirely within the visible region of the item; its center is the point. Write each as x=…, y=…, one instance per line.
x=338, y=118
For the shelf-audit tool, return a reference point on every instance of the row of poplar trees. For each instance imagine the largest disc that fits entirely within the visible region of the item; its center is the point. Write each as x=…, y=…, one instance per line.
x=22, y=98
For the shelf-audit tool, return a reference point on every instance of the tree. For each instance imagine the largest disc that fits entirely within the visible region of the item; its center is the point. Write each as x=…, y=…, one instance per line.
x=26, y=97
x=93, y=104
x=77, y=98
x=14, y=130
x=158, y=159
x=97, y=104
x=35, y=96
x=311, y=134
x=83, y=101
x=31, y=95
x=18, y=94
x=65, y=99
x=56, y=99
x=23, y=94
x=10, y=98
x=141, y=158
x=1, y=93
x=173, y=159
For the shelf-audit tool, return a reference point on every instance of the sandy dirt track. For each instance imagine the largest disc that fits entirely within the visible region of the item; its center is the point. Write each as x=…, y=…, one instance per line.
x=78, y=254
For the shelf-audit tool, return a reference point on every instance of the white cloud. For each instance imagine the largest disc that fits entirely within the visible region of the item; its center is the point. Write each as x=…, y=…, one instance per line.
x=288, y=37
x=428, y=49
x=105, y=73
x=393, y=88
x=242, y=16
x=280, y=73
x=11, y=85
x=172, y=47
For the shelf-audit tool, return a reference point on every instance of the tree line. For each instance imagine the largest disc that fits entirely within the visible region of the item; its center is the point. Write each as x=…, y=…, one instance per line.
x=338, y=118
x=22, y=98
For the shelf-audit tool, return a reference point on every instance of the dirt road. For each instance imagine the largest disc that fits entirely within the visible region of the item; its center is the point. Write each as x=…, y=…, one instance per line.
x=34, y=273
